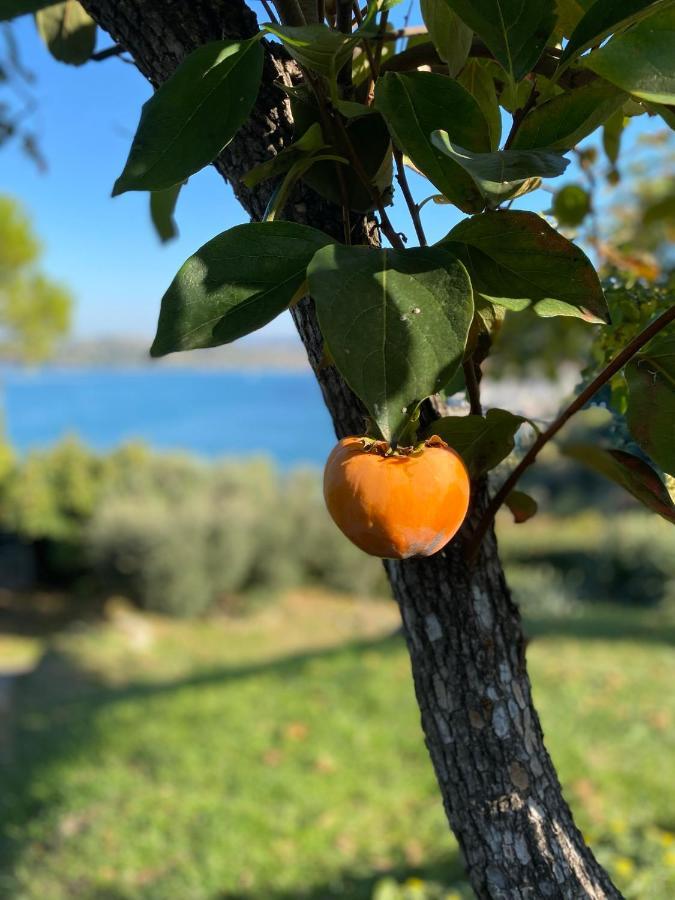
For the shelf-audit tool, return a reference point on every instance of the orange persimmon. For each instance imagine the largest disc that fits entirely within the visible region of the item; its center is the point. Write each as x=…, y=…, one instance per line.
x=396, y=505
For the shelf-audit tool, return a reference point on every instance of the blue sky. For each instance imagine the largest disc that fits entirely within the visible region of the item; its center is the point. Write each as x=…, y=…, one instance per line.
x=106, y=249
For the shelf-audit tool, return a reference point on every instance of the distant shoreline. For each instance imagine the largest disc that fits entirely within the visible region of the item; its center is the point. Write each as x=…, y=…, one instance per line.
x=132, y=353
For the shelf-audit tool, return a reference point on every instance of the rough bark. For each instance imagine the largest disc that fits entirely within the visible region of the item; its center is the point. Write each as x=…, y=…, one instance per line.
x=499, y=787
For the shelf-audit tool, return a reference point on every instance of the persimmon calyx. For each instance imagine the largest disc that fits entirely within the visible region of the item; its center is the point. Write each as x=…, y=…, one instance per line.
x=384, y=448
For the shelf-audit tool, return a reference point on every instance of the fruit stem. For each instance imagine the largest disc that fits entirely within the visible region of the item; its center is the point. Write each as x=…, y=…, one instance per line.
x=544, y=437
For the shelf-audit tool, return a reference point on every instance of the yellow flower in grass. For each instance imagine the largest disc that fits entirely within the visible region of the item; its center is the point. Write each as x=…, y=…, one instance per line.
x=414, y=883
x=669, y=859
x=667, y=838
x=625, y=866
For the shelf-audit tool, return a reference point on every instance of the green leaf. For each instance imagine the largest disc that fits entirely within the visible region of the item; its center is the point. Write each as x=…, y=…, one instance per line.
x=193, y=115
x=516, y=31
x=641, y=60
x=477, y=79
x=450, y=36
x=162, y=206
x=316, y=47
x=234, y=284
x=522, y=506
x=482, y=441
x=395, y=321
x=10, y=9
x=611, y=135
x=571, y=205
x=651, y=400
x=371, y=135
x=311, y=141
x=666, y=111
x=68, y=31
x=563, y=121
x=414, y=105
x=628, y=471
x=604, y=18
x=516, y=259
x=281, y=195
x=498, y=175
x=570, y=13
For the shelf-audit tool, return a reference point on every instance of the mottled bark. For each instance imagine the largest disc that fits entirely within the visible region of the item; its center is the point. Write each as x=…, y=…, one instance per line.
x=499, y=787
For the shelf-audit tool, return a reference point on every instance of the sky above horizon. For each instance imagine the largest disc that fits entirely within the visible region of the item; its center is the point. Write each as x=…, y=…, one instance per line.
x=106, y=250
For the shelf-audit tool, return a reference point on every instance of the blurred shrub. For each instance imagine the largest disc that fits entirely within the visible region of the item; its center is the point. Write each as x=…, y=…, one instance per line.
x=417, y=889
x=539, y=589
x=175, y=534
x=180, y=536
x=628, y=558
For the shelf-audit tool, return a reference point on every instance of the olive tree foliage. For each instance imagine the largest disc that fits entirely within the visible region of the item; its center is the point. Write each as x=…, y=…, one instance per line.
x=34, y=310
x=402, y=322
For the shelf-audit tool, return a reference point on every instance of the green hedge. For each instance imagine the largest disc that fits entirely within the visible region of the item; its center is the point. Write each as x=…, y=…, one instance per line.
x=178, y=535
x=182, y=536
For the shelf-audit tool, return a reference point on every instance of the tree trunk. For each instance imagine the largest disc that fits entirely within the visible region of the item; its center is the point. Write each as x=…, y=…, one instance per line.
x=499, y=788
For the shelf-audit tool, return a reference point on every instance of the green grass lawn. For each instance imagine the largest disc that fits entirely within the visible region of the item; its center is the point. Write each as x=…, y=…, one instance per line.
x=281, y=756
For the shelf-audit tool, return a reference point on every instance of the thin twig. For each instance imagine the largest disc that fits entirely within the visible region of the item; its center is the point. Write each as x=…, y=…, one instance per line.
x=343, y=16
x=409, y=199
x=472, y=387
x=102, y=55
x=544, y=437
x=270, y=12
x=378, y=50
x=520, y=114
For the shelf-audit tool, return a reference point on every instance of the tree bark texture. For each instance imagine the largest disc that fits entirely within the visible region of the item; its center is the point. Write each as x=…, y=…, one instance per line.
x=499, y=787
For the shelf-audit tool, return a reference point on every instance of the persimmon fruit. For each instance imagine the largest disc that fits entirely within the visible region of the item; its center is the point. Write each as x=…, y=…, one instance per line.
x=396, y=504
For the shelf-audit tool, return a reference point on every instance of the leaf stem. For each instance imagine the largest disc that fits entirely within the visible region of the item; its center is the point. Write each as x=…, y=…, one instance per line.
x=409, y=199
x=385, y=223
x=472, y=387
x=619, y=361
x=519, y=114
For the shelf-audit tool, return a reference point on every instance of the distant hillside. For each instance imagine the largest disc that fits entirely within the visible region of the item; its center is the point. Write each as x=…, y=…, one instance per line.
x=123, y=351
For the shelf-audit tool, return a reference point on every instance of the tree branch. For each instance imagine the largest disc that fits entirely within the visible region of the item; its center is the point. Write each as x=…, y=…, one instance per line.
x=578, y=403
x=409, y=199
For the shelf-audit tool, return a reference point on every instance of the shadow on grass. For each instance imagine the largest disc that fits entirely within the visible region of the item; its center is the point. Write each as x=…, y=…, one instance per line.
x=56, y=707
x=604, y=624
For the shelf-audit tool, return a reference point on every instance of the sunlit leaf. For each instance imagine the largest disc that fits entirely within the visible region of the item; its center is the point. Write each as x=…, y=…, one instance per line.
x=193, y=115
x=451, y=37
x=602, y=19
x=311, y=141
x=641, y=60
x=395, y=322
x=517, y=260
x=235, y=284
x=482, y=441
x=477, y=78
x=414, y=104
x=316, y=47
x=498, y=175
x=516, y=31
x=566, y=119
x=68, y=31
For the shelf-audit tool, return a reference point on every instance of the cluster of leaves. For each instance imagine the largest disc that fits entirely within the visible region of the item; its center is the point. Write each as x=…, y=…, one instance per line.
x=403, y=323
